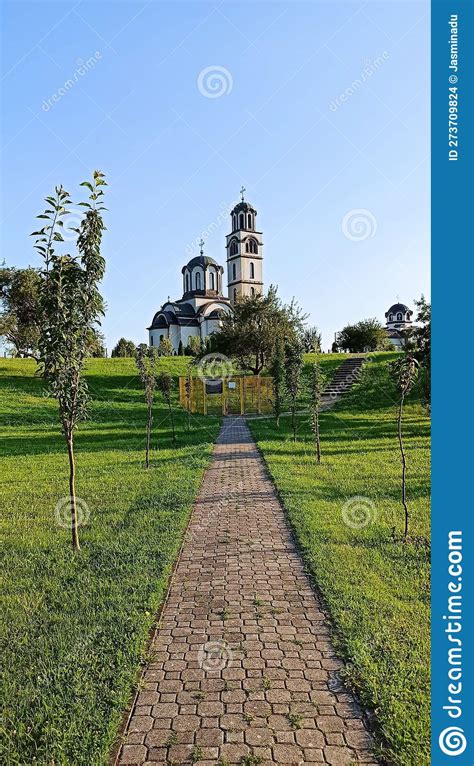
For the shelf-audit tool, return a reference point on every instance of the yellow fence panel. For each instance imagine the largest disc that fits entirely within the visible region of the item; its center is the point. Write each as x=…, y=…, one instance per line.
x=236, y=395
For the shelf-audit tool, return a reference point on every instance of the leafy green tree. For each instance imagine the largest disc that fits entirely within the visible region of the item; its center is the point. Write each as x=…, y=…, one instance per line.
x=311, y=340
x=367, y=335
x=166, y=347
x=419, y=343
x=96, y=344
x=71, y=306
x=250, y=332
x=164, y=382
x=405, y=372
x=293, y=370
x=316, y=390
x=277, y=371
x=124, y=348
x=194, y=345
x=147, y=361
x=20, y=321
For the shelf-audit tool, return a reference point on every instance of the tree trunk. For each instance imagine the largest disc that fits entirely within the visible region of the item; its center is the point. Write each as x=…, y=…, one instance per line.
x=172, y=420
x=404, y=467
x=318, y=442
x=148, y=436
x=293, y=419
x=72, y=493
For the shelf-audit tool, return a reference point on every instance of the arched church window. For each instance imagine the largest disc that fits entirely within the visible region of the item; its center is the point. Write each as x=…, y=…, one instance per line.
x=252, y=246
x=213, y=281
x=399, y=316
x=234, y=248
x=198, y=281
x=234, y=271
x=252, y=292
x=187, y=283
x=390, y=318
x=151, y=340
x=252, y=271
x=249, y=221
x=241, y=221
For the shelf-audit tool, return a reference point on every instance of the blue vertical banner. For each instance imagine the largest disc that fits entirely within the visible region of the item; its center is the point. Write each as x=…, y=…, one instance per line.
x=452, y=135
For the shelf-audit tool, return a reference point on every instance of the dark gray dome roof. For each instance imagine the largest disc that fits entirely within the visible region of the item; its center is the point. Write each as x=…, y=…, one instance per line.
x=201, y=260
x=398, y=307
x=243, y=207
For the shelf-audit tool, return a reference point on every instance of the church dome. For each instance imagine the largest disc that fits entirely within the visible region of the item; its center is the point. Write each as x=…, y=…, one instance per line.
x=398, y=307
x=201, y=260
x=243, y=207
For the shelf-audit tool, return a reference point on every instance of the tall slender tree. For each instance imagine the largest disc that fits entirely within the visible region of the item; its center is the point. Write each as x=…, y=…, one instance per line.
x=70, y=308
x=277, y=371
x=147, y=361
x=165, y=386
x=293, y=370
x=316, y=389
x=405, y=372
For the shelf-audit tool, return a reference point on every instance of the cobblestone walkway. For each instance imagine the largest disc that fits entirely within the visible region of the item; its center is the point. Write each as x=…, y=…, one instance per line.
x=242, y=669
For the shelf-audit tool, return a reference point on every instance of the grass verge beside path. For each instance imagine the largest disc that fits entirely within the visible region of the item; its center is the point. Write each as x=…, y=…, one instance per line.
x=376, y=589
x=74, y=626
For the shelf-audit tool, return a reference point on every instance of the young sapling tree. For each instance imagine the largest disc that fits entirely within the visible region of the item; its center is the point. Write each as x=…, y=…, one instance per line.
x=277, y=371
x=316, y=390
x=147, y=361
x=293, y=369
x=70, y=308
x=405, y=372
x=164, y=383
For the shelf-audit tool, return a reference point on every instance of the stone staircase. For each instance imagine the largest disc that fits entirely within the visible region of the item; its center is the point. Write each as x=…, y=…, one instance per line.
x=343, y=379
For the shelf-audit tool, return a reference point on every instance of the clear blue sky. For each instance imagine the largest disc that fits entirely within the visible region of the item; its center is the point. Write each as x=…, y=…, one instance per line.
x=175, y=157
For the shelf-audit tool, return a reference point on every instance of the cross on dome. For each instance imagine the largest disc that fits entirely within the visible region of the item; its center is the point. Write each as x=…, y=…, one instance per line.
x=242, y=190
x=201, y=245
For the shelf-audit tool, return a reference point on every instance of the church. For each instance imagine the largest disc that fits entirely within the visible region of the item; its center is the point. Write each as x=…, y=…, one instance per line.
x=399, y=320
x=198, y=312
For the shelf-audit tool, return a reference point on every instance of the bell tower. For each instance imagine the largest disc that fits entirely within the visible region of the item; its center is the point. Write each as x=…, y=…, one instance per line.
x=244, y=253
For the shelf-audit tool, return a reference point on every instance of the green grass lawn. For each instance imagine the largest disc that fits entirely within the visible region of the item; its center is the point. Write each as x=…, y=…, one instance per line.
x=376, y=587
x=74, y=627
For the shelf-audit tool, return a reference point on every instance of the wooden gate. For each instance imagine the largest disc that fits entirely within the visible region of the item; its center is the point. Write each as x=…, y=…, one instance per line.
x=235, y=395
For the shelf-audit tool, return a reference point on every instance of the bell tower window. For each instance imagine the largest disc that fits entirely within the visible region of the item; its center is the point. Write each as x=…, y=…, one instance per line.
x=234, y=271
x=234, y=248
x=249, y=221
x=252, y=271
x=198, y=281
x=187, y=283
x=213, y=281
x=241, y=221
x=399, y=316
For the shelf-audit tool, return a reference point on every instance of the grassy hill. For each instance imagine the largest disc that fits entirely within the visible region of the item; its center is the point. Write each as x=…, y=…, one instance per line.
x=376, y=587
x=75, y=626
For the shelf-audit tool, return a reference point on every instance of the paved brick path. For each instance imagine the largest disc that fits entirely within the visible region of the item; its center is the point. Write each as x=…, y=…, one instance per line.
x=243, y=670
